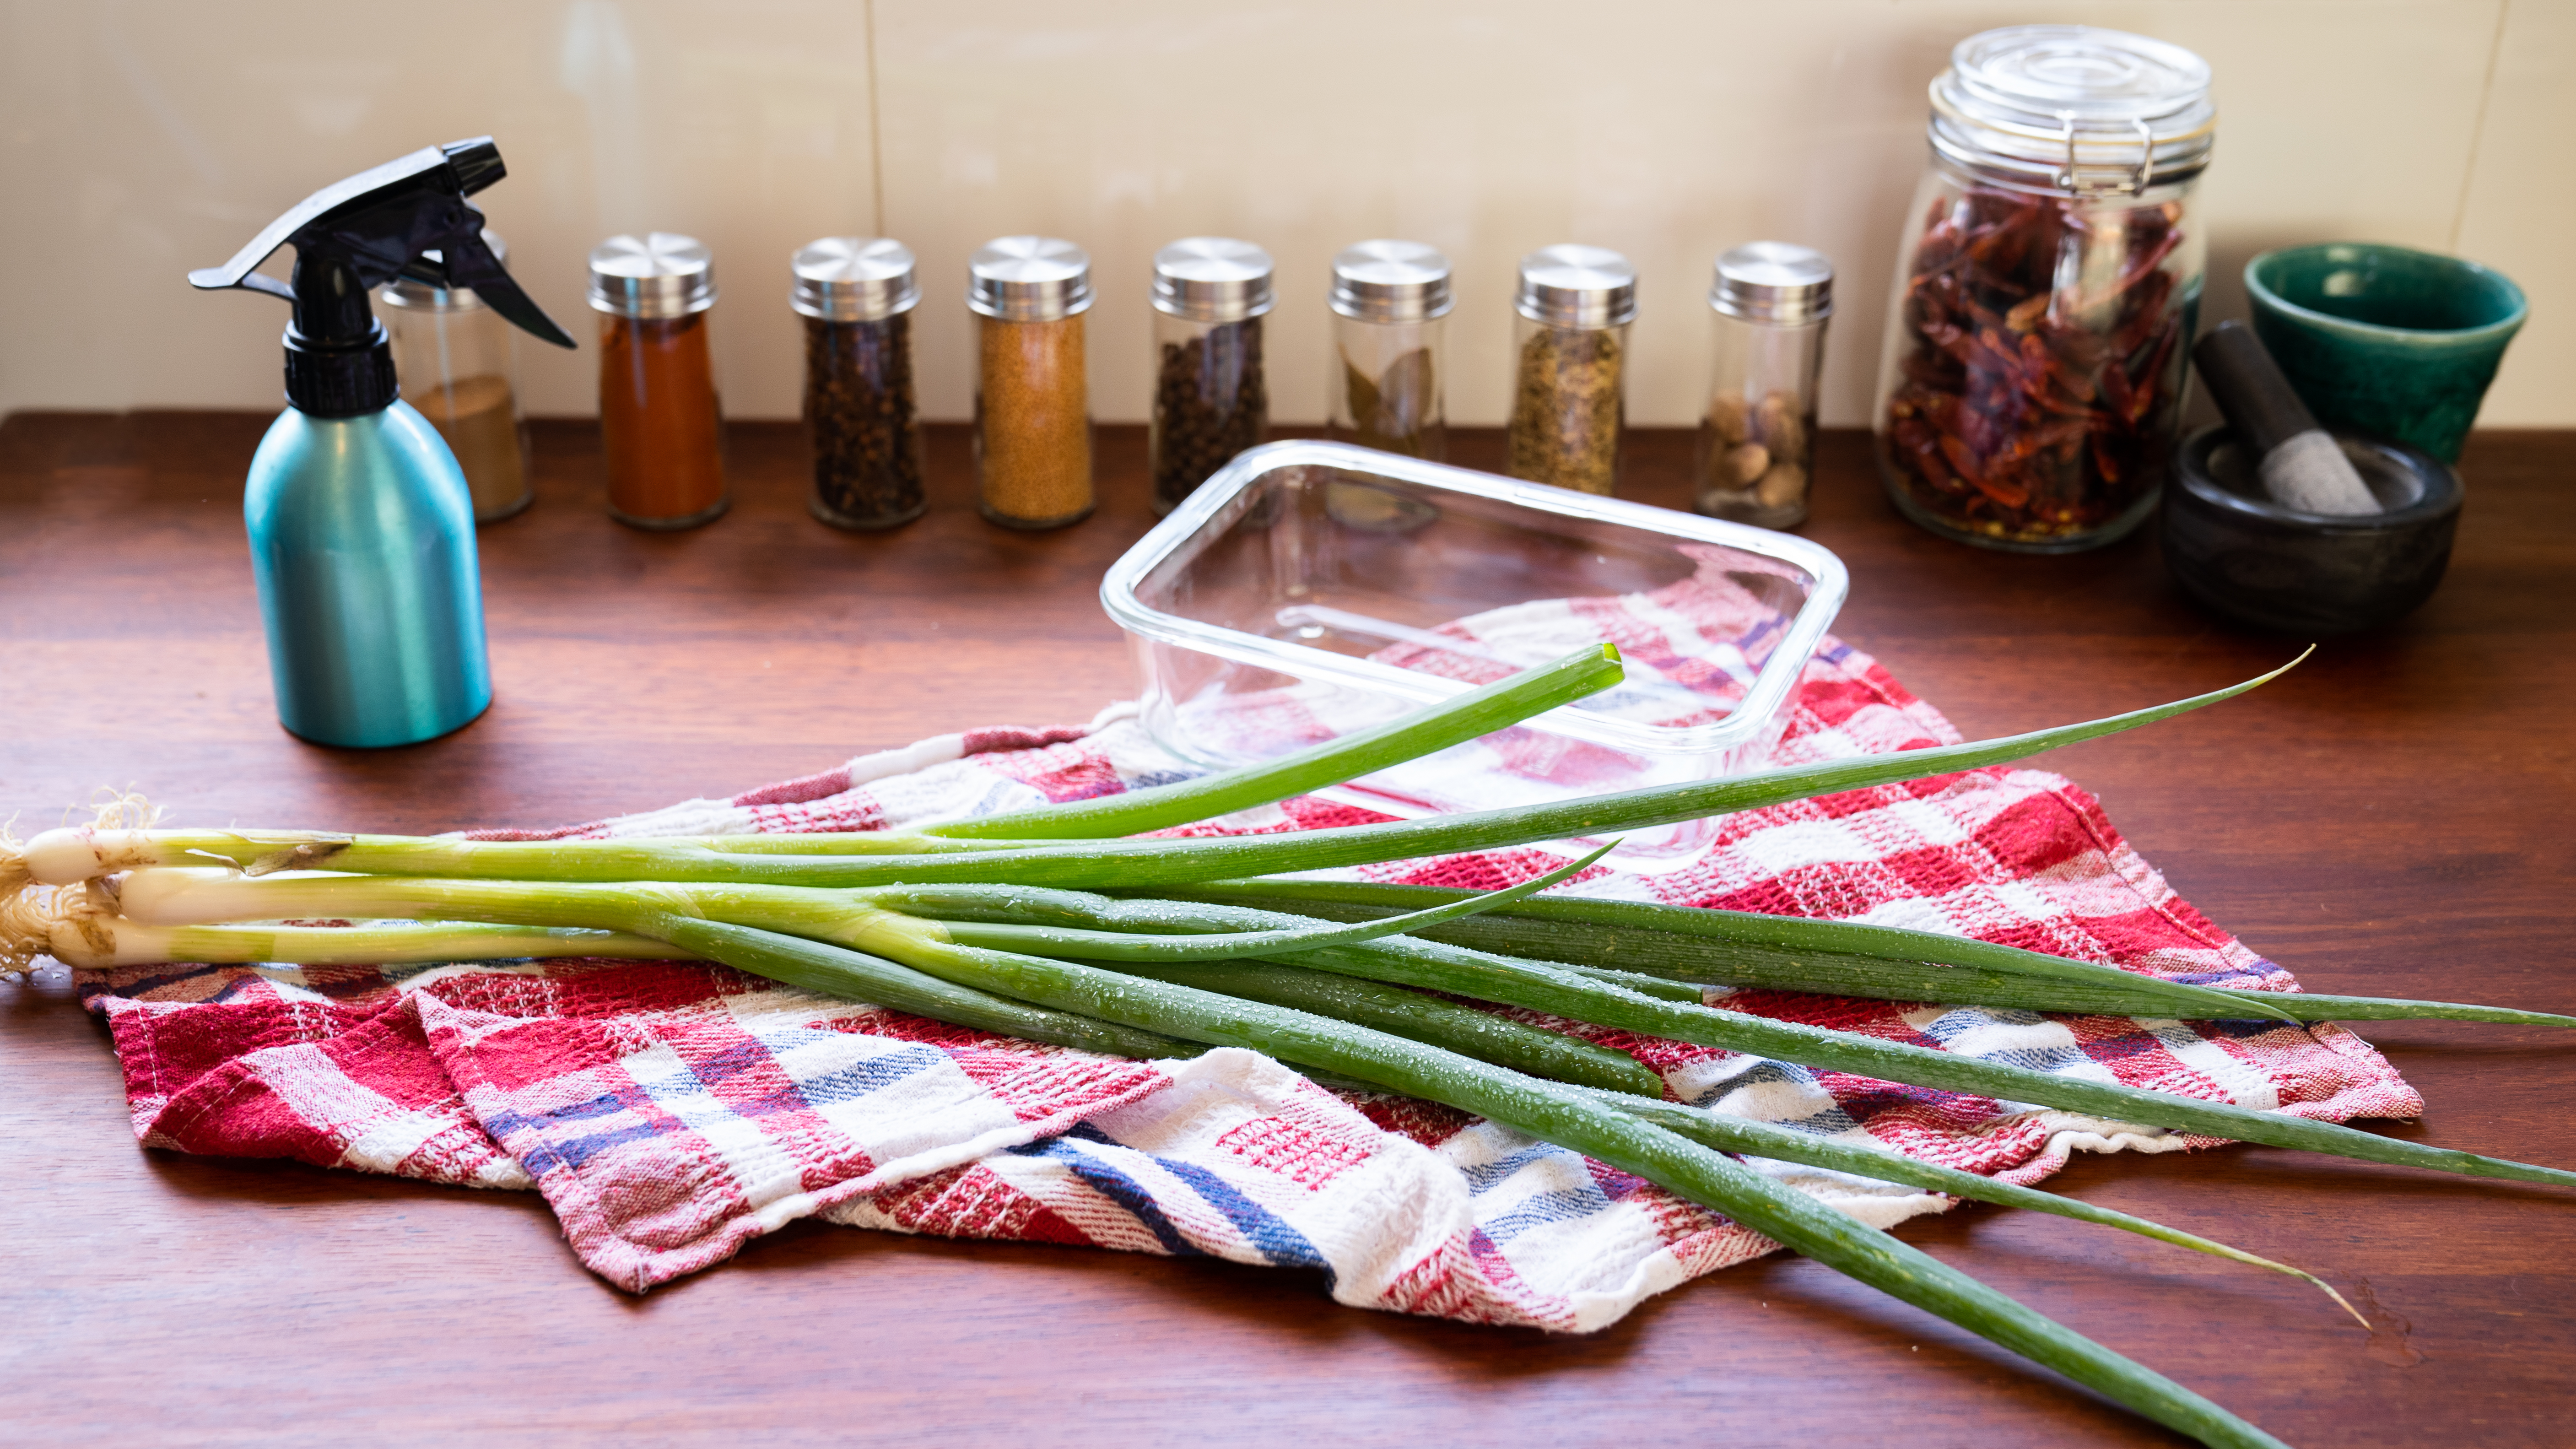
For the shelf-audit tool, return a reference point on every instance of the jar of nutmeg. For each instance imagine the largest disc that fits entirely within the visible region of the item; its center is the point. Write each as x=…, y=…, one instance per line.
x=1756, y=456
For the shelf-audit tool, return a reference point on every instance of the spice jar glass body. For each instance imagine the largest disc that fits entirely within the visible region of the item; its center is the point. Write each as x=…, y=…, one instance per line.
x=1756, y=452
x=1385, y=386
x=1211, y=401
x=862, y=421
x=661, y=427
x=1032, y=423
x=2030, y=391
x=1569, y=405
x=457, y=362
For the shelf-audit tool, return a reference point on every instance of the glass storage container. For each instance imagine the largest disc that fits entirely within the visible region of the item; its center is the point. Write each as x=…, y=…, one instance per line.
x=1756, y=454
x=1265, y=621
x=1211, y=396
x=1032, y=395
x=661, y=428
x=862, y=420
x=458, y=363
x=1569, y=388
x=2039, y=335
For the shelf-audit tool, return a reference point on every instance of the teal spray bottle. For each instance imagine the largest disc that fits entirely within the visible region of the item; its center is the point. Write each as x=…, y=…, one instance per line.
x=361, y=526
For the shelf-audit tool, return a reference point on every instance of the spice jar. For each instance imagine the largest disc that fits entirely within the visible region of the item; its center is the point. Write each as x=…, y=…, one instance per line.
x=2050, y=276
x=1756, y=455
x=1569, y=395
x=1211, y=400
x=458, y=363
x=661, y=429
x=1032, y=397
x=862, y=420
x=1388, y=300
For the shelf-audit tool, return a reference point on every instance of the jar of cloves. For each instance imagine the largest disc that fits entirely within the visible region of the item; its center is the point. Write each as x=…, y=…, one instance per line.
x=661, y=427
x=458, y=364
x=861, y=411
x=1756, y=454
x=1032, y=394
x=2039, y=336
x=1569, y=393
x=1388, y=301
x=1211, y=397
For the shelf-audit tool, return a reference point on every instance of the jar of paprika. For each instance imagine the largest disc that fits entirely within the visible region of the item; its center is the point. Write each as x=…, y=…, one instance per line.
x=2030, y=393
x=661, y=429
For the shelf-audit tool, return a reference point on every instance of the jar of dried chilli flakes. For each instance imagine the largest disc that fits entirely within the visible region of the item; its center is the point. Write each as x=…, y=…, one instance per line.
x=2040, y=331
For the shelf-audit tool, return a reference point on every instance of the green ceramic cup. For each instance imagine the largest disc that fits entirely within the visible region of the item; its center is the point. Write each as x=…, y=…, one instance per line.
x=2386, y=340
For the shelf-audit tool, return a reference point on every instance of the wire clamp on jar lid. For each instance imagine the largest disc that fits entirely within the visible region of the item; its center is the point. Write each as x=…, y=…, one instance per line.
x=1777, y=283
x=1028, y=279
x=1391, y=281
x=853, y=279
x=659, y=275
x=1212, y=279
x=2028, y=102
x=1576, y=286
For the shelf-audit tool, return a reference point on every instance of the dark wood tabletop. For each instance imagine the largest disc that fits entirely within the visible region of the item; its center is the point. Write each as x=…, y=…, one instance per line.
x=2393, y=818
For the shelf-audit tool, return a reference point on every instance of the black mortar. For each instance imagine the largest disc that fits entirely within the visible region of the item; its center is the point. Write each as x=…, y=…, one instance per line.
x=2237, y=552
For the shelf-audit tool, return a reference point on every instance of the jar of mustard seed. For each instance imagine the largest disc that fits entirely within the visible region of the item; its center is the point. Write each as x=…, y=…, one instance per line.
x=1569, y=393
x=1032, y=394
x=862, y=416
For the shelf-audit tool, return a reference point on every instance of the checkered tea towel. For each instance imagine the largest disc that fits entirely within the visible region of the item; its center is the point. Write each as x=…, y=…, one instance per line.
x=672, y=1111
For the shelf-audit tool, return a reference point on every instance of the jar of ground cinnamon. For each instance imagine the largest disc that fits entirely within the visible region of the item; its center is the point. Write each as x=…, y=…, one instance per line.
x=458, y=361
x=661, y=429
x=1032, y=393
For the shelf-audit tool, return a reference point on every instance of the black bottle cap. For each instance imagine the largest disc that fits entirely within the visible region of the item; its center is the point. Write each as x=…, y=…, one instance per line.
x=406, y=218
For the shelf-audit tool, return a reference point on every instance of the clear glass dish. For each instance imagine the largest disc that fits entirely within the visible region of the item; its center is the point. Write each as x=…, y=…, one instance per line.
x=1308, y=589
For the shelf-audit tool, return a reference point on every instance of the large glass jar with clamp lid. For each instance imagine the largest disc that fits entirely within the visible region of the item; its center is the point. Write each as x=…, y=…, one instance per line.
x=2039, y=336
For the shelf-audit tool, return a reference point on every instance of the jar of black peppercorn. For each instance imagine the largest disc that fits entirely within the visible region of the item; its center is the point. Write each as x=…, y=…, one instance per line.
x=1211, y=399
x=861, y=413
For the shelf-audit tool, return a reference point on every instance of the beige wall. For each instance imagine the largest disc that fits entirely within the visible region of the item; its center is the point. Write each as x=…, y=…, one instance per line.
x=139, y=140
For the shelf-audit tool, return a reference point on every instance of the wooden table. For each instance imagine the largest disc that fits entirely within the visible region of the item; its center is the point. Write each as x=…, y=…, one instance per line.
x=2391, y=819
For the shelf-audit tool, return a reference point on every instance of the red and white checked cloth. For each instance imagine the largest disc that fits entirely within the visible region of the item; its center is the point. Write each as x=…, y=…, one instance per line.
x=670, y=1112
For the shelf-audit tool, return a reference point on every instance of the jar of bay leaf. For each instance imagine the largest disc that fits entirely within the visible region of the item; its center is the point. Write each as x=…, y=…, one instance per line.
x=1756, y=455
x=1569, y=392
x=1032, y=395
x=1211, y=397
x=1388, y=301
x=856, y=295
x=458, y=364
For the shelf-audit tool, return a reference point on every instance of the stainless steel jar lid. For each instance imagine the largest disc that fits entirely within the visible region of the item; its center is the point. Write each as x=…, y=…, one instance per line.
x=412, y=296
x=1577, y=286
x=662, y=274
x=1212, y=279
x=1778, y=283
x=1391, y=281
x=853, y=279
x=2075, y=109
x=1028, y=279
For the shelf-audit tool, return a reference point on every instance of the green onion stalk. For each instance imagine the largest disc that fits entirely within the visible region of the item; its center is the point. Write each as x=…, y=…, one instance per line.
x=896, y=923
x=973, y=922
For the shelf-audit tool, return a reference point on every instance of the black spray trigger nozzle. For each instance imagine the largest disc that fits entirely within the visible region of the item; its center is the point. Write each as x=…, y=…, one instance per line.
x=359, y=233
x=468, y=261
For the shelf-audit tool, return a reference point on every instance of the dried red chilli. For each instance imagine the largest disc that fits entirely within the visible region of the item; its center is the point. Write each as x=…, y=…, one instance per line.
x=2036, y=396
